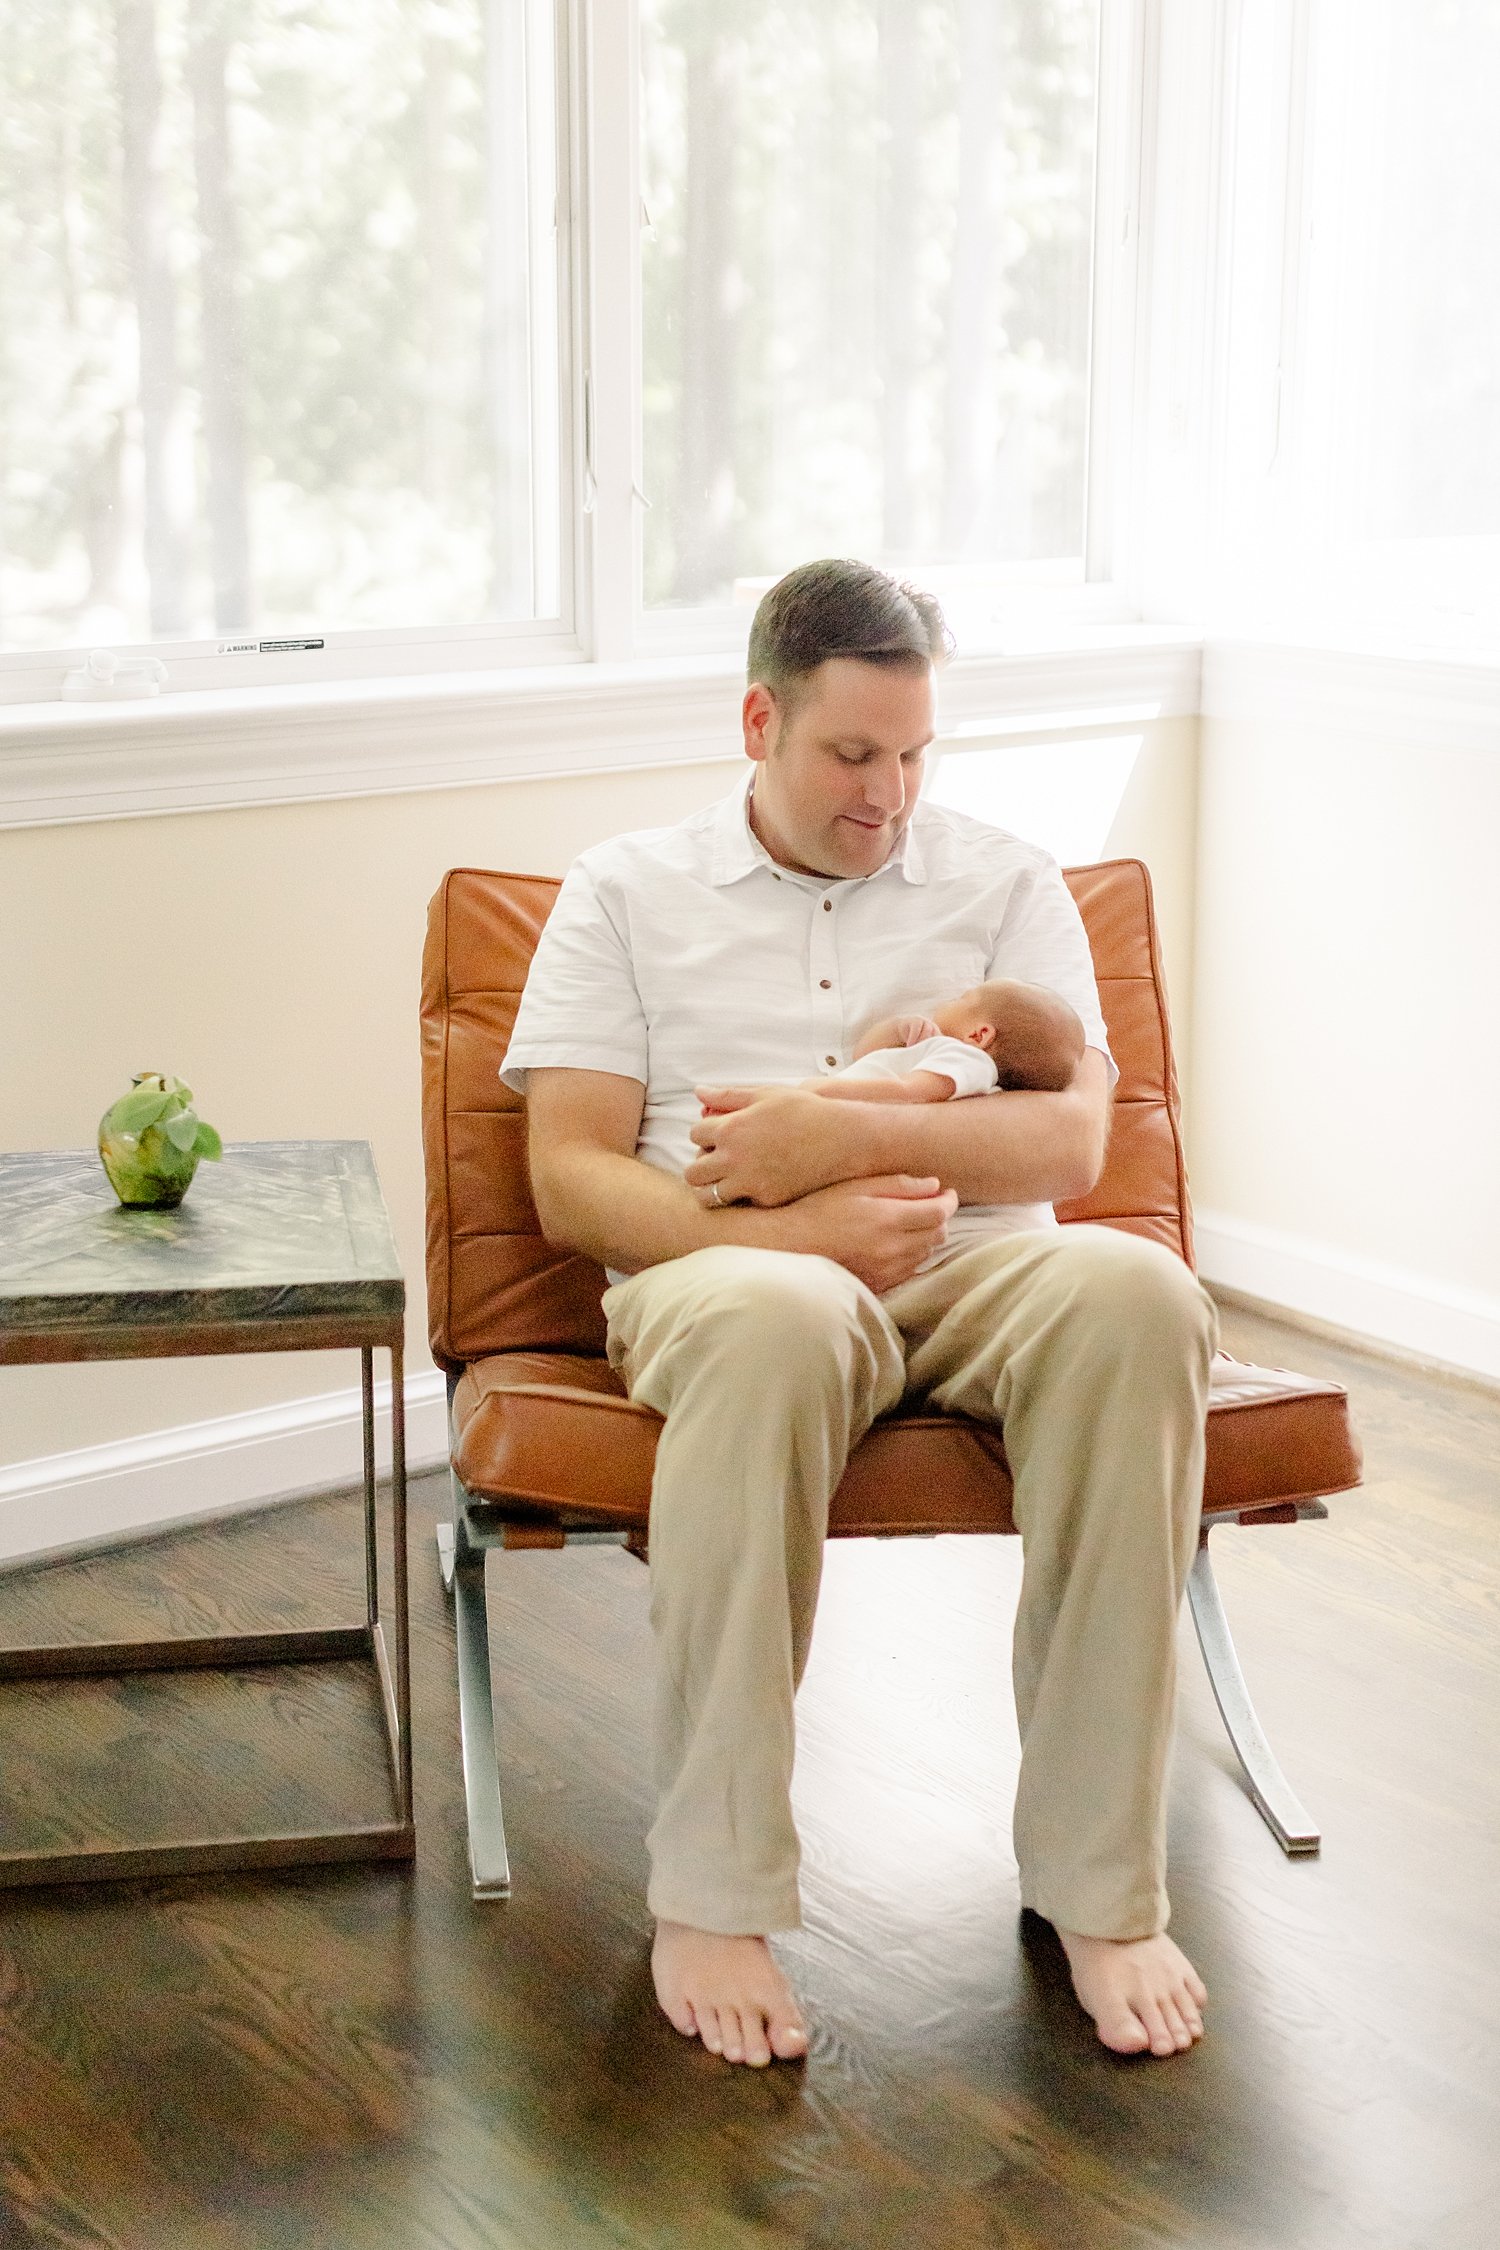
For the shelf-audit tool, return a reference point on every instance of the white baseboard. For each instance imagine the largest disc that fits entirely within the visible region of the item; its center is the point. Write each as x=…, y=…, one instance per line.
x=104, y=1493
x=1457, y=1327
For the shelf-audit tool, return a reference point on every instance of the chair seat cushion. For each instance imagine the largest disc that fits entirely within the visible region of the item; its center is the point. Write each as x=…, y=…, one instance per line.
x=556, y=1434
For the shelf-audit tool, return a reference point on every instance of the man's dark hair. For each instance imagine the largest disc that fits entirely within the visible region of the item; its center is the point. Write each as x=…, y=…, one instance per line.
x=825, y=609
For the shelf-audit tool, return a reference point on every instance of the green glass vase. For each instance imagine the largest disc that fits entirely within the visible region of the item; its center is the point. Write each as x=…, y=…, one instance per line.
x=150, y=1142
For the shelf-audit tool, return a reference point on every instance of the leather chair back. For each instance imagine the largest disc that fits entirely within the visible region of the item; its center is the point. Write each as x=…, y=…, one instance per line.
x=495, y=1285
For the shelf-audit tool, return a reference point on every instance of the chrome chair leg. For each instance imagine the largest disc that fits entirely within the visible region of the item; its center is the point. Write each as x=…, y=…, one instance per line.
x=489, y=1862
x=1270, y=1790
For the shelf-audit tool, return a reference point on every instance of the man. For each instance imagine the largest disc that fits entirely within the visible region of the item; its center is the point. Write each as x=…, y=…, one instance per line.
x=784, y=1269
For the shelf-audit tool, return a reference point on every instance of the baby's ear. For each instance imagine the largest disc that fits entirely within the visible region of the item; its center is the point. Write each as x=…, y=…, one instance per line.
x=983, y=1035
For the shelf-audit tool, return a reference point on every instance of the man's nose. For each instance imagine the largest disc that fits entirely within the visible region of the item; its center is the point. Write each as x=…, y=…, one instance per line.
x=885, y=786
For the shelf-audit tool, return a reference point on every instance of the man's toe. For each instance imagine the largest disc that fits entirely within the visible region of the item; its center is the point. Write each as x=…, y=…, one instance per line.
x=732, y=2028
x=757, y=2046
x=710, y=2029
x=679, y=2014
x=1157, y=2028
x=1176, y=2023
x=1122, y=2029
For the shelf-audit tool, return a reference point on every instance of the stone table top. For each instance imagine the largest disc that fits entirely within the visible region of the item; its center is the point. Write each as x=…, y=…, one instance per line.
x=279, y=1230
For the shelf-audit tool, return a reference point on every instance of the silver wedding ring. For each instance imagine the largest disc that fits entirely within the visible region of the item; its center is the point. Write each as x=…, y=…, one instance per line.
x=713, y=1189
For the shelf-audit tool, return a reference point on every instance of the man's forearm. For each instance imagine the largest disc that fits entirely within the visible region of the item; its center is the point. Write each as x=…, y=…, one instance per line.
x=629, y=1215
x=1024, y=1148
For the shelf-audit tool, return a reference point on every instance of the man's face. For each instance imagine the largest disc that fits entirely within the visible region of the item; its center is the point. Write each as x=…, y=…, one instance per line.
x=838, y=775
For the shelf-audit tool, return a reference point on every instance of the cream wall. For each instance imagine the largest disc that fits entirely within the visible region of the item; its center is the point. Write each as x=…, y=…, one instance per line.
x=1346, y=1066
x=271, y=957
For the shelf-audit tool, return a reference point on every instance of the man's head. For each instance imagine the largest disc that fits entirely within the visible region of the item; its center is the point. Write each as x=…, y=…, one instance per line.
x=838, y=714
x=1035, y=1038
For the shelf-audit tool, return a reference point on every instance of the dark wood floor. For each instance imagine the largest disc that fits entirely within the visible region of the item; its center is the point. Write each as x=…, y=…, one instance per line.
x=368, y=2060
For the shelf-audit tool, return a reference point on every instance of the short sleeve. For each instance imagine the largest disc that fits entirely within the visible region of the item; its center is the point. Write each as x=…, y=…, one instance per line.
x=1042, y=941
x=970, y=1068
x=581, y=1009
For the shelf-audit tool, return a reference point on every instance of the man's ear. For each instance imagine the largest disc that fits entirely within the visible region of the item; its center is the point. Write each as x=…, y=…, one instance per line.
x=761, y=719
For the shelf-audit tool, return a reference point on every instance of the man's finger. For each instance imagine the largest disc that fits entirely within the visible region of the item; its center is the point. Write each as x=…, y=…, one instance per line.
x=722, y=1098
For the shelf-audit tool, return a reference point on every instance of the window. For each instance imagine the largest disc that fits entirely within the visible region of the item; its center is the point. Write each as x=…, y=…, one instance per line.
x=282, y=346
x=866, y=262
x=1375, y=502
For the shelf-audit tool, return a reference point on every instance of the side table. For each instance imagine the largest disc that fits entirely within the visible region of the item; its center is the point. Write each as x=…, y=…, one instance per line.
x=284, y=1246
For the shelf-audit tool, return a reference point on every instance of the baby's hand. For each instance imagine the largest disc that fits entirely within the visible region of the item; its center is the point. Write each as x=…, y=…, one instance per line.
x=894, y=1031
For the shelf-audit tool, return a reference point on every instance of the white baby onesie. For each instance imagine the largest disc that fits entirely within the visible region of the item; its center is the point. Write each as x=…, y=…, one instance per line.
x=970, y=1068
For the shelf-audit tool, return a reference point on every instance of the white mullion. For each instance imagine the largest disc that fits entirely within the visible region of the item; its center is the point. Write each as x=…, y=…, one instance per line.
x=549, y=283
x=610, y=473
x=1258, y=253
x=1181, y=278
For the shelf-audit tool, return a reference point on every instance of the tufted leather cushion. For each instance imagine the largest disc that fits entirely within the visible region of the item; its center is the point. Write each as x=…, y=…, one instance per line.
x=541, y=1419
x=558, y=1434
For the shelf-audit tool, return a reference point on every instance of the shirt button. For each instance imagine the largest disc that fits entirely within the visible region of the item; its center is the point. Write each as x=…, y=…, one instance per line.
x=828, y=906
x=832, y=1061
x=825, y=984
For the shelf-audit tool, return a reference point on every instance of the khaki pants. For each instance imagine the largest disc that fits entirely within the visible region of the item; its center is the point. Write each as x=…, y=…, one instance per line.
x=1092, y=1348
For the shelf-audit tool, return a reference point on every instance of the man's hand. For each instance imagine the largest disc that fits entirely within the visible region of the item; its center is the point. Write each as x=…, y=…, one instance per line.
x=771, y=1144
x=880, y=1230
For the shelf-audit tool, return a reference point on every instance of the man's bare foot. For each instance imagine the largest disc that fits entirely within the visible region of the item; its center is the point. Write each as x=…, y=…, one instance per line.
x=728, y=1992
x=1141, y=1992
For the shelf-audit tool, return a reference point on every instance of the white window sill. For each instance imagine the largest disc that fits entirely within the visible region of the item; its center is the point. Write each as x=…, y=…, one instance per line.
x=349, y=738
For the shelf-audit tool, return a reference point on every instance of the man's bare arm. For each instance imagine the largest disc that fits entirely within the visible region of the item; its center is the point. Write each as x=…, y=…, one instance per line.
x=594, y=1194
x=772, y=1144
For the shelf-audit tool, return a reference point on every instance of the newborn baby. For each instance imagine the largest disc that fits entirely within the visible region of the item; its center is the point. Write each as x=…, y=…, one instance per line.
x=1017, y=1037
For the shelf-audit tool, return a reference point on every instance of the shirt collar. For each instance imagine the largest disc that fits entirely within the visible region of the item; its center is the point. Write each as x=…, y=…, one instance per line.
x=738, y=851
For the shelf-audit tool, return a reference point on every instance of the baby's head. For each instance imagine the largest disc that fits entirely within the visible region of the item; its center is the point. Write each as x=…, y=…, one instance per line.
x=1034, y=1039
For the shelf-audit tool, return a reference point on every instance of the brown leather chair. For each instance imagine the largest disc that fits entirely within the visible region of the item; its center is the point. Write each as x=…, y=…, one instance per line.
x=547, y=1449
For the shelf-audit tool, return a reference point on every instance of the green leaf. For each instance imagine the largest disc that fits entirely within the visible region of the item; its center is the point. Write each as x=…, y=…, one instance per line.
x=134, y=1111
x=207, y=1143
x=181, y=1131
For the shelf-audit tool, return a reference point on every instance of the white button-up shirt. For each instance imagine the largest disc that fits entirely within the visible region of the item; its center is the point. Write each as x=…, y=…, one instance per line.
x=686, y=957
